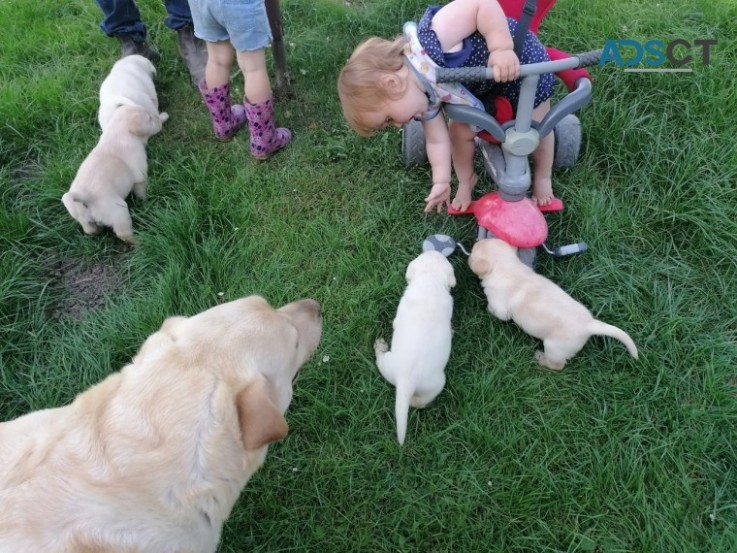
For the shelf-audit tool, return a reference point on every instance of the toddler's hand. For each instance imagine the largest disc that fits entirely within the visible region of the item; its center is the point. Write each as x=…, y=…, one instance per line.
x=438, y=197
x=504, y=64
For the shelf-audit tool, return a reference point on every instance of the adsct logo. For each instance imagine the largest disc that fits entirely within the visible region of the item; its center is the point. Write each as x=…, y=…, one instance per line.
x=653, y=54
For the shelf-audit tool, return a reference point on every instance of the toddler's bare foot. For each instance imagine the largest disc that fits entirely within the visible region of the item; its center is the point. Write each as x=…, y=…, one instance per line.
x=542, y=191
x=462, y=200
x=465, y=191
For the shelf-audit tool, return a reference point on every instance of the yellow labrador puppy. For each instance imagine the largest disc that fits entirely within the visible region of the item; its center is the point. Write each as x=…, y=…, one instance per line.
x=112, y=169
x=154, y=457
x=536, y=304
x=420, y=348
x=130, y=82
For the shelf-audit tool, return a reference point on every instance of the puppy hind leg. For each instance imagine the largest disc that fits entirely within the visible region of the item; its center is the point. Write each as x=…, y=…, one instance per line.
x=544, y=361
x=139, y=190
x=383, y=361
x=380, y=346
x=122, y=224
x=556, y=351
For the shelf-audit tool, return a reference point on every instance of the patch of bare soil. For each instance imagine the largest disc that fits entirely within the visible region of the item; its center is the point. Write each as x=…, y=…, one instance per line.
x=87, y=286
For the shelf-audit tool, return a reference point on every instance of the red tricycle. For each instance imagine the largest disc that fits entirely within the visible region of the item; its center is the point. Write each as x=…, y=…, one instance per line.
x=506, y=139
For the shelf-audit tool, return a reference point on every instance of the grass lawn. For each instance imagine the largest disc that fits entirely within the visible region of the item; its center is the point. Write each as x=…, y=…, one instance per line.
x=611, y=455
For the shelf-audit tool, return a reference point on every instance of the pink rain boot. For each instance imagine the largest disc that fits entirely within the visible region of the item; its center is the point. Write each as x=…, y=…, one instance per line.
x=226, y=118
x=265, y=138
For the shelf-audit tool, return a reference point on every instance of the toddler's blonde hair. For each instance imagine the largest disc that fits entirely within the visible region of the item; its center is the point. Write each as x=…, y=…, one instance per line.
x=359, y=83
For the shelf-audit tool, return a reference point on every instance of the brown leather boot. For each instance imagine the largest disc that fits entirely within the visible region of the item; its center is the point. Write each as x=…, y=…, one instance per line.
x=193, y=52
x=128, y=47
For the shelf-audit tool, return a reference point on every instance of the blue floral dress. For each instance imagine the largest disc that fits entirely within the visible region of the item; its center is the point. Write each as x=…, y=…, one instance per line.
x=475, y=52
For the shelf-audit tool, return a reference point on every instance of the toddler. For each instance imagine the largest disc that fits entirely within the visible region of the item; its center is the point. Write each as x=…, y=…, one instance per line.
x=391, y=82
x=238, y=28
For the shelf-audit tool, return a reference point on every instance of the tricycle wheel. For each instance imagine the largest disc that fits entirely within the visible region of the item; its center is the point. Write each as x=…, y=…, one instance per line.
x=567, y=141
x=413, y=144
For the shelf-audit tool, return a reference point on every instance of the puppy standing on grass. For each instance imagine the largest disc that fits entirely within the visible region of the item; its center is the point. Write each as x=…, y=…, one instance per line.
x=536, y=304
x=129, y=83
x=420, y=348
x=113, y=168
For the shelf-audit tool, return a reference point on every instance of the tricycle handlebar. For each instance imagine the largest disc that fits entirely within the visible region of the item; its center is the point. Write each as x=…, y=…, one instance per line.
x=478, y=74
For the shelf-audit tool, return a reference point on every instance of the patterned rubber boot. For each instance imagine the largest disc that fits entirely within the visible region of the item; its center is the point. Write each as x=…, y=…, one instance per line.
x=226, y=118
x=265, y=138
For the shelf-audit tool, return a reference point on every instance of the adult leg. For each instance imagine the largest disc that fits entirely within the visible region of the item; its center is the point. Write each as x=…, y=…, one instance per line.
x=192, y=50
x=123, y=21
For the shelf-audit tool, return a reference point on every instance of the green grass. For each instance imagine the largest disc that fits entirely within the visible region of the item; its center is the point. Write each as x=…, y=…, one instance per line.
x=611, y=455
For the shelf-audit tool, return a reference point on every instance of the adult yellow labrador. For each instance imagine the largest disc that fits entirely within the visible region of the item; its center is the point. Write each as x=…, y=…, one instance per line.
x=153, y=458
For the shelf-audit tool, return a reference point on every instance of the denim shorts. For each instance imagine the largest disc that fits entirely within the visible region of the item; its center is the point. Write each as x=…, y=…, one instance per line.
x=243, y=22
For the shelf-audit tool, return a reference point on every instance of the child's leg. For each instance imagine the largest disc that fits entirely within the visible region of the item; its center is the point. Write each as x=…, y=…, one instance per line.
x=215, y=89
x=463, y=149
x=542, y=183
x=219, y=63
x=253, y=66
x=265, y=137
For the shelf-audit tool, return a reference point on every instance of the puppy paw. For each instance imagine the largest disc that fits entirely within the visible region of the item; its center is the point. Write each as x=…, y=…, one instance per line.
x=128, y=239
x=163, y=117
x=380, y=346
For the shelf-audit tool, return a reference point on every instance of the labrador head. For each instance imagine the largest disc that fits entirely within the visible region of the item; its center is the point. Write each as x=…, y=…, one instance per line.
x=487, y=252
x=256, y=349
x=431, y=263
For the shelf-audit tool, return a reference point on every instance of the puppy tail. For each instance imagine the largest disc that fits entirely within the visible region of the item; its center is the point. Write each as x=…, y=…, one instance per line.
x=603, y=329
x=401, y=407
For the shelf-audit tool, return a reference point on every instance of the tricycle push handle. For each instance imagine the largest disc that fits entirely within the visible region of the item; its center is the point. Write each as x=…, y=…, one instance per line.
x=478, y=74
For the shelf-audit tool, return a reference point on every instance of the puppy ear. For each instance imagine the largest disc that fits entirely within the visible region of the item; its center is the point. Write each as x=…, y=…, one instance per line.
x=70, y=203
x=168, y=325
x=479, y=265
x=260, y=420
x=143, y=124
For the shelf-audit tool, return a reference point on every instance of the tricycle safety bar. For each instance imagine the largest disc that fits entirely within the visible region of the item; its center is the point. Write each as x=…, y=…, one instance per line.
x=478, y=74
x=576, y=99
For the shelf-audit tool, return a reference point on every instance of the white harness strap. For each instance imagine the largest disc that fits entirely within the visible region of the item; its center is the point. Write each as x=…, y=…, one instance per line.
x=424, y=67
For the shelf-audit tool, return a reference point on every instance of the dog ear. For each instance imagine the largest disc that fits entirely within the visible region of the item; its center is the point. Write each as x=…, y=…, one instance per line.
x=479, y=265
x=169, y=323
x=69, y=202
x=260, y=420
x=143, y=124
